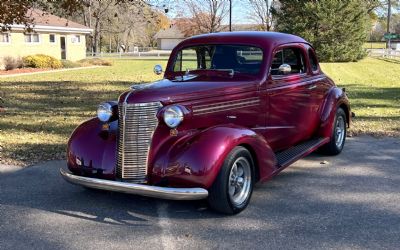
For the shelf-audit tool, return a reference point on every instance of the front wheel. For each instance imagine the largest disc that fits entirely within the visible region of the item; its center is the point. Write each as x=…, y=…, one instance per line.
x=232, y=189
x=338, y=137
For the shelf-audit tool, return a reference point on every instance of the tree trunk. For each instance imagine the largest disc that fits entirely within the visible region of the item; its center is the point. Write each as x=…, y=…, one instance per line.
x=96, y=37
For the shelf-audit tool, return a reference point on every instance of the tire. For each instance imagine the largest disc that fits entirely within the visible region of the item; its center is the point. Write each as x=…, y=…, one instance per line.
x=233, y=187
x=338, y=137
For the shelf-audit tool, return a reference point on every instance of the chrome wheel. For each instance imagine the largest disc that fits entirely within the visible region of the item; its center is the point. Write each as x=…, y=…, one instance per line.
x=239, y=181
x=340, y=131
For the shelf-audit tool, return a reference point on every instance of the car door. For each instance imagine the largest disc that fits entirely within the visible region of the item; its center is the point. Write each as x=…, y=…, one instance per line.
x=318, y=86
x=290, y=106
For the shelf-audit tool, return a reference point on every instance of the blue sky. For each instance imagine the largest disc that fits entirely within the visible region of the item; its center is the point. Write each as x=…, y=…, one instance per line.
x=239, y=12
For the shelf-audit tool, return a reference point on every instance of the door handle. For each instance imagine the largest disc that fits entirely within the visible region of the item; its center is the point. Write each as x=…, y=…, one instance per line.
x=312, y=87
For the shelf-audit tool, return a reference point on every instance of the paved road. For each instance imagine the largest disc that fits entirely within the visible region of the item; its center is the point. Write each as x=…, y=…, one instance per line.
x=353, y=201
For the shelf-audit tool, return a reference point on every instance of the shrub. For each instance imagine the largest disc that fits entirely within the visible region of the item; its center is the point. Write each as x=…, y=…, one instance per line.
x=95, y=61
x=11, y=63
x=42, y=61
x=69, y=64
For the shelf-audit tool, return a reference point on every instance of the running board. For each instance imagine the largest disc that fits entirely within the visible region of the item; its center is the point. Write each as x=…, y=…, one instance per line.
x=287, y=157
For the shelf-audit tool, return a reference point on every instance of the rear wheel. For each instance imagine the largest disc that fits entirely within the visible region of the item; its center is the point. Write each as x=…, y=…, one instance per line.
x=338, y=137
x=232, y=189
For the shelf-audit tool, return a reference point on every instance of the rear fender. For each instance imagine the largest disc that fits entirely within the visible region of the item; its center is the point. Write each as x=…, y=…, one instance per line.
x=336, y=98
x=196, y=161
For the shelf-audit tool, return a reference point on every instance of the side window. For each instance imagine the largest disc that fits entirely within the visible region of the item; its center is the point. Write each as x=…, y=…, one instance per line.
x=313, y=60
x=191, y=59
x=178, y=62
x=293, y=57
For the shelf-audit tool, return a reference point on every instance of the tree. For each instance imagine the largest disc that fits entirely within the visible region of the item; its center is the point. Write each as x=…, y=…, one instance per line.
x=336, y=28
x=207, y=15
x=261, y=12
x=186, y=25
x=103, y=16
x=12, y=11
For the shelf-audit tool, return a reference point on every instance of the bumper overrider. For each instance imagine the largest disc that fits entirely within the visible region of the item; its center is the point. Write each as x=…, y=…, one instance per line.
x=137, y=189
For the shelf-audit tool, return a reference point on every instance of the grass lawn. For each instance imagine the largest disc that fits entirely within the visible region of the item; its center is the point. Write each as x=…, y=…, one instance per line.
x=373, y=86
x=42, y=110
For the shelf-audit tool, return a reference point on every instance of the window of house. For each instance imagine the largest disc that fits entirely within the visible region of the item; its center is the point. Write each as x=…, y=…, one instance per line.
x=294, y=57
x=32, y=38
x=313, y=60
x=5, y=38
x=52, y=38
x=76, y=39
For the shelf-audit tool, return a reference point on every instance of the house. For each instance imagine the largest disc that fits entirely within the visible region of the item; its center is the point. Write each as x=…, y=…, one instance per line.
x=167, y=39
x=395, y=44
x=50, y=35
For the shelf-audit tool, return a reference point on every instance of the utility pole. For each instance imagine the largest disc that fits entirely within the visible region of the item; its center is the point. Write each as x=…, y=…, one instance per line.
x=388, y=21
x=230, y=15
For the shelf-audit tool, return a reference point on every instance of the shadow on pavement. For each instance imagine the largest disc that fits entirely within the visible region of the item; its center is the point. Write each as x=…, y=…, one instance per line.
x=351, y=201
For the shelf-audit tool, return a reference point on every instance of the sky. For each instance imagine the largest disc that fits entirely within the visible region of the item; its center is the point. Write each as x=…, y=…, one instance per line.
x=239, y=12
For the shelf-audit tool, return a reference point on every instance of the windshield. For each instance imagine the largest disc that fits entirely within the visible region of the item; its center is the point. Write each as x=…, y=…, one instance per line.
x=239, y=58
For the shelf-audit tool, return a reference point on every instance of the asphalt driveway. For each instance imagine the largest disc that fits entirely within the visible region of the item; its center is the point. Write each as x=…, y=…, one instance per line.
x=351, y=201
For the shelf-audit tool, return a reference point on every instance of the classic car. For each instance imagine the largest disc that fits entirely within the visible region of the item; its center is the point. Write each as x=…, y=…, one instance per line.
x=232, y=109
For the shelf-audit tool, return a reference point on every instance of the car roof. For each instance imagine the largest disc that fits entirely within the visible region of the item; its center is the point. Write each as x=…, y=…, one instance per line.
x=259, y=38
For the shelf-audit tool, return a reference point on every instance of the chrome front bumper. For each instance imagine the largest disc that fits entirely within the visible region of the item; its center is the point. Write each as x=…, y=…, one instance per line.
x=138, y=189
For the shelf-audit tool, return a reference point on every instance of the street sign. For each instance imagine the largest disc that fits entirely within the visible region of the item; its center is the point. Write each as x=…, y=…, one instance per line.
x=388, y=36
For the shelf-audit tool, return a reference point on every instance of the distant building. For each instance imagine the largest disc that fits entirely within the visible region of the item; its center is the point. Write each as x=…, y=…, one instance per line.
x=395, y=44
x=167, y=39
x=51, y=35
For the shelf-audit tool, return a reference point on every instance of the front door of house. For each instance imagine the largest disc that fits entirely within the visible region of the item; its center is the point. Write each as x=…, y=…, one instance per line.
x=63, y=48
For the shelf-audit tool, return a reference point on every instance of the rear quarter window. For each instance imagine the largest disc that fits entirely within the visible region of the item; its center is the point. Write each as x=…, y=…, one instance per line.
x=313, y=60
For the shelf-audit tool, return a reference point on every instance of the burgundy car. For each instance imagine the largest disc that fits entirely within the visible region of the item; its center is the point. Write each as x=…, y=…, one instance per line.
x=233, y=109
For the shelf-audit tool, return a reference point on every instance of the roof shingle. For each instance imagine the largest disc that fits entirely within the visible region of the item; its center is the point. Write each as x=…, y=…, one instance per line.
x=46, y=19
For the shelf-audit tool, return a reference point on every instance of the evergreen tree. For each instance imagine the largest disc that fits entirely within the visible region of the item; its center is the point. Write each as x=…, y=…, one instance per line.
x=336, y=28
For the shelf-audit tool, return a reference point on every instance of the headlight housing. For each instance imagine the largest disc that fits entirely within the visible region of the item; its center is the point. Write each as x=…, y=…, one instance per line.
x=107, y=111
x=173, y=116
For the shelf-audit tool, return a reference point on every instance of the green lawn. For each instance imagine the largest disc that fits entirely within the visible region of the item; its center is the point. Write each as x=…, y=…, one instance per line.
x=42, y=110
x=373, y=86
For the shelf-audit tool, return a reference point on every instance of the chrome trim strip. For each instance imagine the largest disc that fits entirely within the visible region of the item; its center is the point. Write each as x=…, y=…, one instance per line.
x=224, y=106
x=227, y=102
x=273, y=127
x=137, y=189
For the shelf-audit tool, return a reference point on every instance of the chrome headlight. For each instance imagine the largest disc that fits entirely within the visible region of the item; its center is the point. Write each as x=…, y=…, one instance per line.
x=173, y=116
x=106, y=111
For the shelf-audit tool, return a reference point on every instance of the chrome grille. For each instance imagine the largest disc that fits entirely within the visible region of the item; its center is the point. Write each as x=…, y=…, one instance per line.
x=137, y=123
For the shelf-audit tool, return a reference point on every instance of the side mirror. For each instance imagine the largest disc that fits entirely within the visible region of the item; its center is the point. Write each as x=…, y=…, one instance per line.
x=158, y=69
x=285, y=69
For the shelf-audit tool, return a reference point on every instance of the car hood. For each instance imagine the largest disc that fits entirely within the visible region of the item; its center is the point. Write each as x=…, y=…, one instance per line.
x=167, y=91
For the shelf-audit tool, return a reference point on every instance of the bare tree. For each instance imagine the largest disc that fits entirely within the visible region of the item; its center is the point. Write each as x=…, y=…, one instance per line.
x=97, y=11
x=207, y=15
x=128, y=24
x=261, y=12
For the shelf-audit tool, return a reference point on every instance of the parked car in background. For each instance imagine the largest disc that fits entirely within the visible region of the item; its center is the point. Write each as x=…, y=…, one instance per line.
x=233, y=109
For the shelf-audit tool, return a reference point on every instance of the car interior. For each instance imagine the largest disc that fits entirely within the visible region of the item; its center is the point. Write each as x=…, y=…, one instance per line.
x=241, y=59
x=291, y=56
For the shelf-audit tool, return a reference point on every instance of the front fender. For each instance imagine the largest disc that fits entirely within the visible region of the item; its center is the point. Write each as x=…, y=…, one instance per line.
x=195, y=161
x=336, y=98
x=92, y=151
